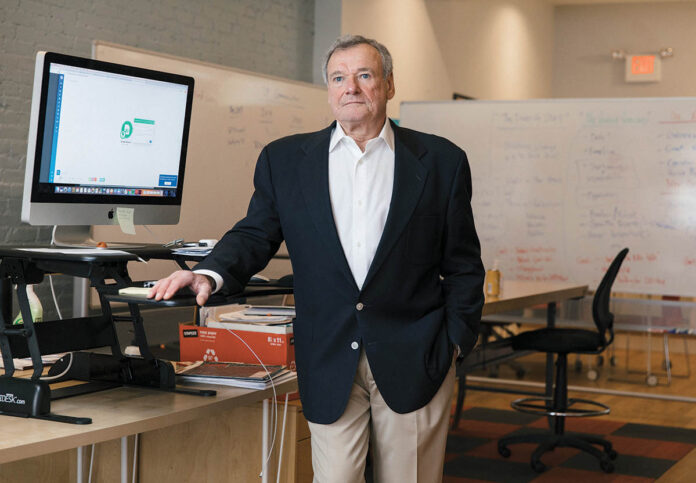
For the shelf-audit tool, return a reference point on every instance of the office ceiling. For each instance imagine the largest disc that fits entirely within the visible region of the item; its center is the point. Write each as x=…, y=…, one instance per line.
x=597, y=2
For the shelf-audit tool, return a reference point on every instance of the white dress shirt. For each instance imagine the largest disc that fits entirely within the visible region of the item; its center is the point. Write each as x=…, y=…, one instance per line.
x=360, y=188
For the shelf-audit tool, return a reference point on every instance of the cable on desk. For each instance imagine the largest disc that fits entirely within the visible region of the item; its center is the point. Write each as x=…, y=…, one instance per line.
x=55, y=299
x=135, y=456
x=58, y=376
x=91, y=462
x=274, y=410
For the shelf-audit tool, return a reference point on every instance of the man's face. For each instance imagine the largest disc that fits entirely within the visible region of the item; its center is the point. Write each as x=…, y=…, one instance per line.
x=358, y=91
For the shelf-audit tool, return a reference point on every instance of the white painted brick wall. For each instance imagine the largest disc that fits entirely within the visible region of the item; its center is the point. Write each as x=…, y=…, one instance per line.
x=268, y=36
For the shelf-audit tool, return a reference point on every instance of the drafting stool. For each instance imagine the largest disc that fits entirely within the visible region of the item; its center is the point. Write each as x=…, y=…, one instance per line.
x=562, y=342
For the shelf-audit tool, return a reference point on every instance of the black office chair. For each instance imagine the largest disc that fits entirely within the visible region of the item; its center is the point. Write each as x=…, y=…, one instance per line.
x=562, y=342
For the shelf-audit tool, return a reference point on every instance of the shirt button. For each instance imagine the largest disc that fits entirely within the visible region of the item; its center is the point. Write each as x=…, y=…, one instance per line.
x=354, y=345
x=359, y=306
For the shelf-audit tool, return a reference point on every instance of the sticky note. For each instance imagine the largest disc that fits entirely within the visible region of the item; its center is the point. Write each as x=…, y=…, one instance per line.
x=125, y=219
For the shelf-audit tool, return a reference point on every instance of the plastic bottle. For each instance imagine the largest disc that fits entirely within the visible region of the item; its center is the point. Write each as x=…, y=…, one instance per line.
x=34, y=305
x=493, y=281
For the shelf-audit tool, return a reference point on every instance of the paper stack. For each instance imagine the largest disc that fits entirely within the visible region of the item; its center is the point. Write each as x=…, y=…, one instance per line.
x=250, y=376
x=257, y=315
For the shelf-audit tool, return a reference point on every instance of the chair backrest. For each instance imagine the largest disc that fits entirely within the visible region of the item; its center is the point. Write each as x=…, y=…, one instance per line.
x=603, y=318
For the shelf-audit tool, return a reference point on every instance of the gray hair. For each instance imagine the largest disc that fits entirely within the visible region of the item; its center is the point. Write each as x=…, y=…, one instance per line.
x=348, y=41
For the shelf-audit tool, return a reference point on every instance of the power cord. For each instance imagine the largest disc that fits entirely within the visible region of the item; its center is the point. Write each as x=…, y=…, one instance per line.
x=60, y=317
x=135, y=456
x=58, y=376
x=91, y=463
x=274, y=407
x=53, y=293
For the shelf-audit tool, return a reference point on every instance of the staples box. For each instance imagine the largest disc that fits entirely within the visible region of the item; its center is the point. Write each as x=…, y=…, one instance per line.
x=274, y=344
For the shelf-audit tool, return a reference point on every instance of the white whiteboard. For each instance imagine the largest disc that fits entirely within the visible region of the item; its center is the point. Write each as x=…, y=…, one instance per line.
x=235, y=114
x=559, y=186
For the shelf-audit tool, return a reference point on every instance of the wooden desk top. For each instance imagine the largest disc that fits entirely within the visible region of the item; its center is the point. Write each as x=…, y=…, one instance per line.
x=118, y=412
x=517, y=295
x=128, y=410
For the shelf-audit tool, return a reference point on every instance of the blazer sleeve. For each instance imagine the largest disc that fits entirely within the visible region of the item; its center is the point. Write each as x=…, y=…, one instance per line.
x=248, y=247
x=461, y=268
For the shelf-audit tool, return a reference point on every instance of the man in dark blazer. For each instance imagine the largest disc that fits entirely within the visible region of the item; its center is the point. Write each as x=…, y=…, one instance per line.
x=388, y=279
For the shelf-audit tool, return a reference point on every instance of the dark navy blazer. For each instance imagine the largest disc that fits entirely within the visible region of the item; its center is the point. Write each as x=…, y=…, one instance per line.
x=423, y=292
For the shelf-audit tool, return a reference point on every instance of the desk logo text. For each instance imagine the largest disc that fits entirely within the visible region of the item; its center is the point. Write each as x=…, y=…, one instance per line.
x=11, y=398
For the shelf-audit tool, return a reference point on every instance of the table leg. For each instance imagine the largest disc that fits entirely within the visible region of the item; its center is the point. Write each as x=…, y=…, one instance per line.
x=264, y=441
x=550, y=322
x=80, y=463
x=124, y=459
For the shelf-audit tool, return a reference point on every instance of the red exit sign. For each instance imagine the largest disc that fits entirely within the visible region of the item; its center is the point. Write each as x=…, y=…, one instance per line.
x=642, y=64
x=643, y=68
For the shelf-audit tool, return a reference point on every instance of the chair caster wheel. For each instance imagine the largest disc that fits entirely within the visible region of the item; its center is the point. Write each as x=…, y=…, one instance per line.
x=612, y=454
x=504, y=451
x=592, y=375
x=538, y=466
x=607, y=466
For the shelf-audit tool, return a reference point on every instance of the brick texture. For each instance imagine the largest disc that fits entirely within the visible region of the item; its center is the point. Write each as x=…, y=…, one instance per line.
x=268, y=36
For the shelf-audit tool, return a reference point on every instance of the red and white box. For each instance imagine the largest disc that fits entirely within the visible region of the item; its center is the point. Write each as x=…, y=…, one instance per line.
x=273, y=344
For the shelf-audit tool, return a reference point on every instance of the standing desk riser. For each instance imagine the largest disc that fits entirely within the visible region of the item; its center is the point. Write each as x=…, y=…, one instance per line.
x=107, y=273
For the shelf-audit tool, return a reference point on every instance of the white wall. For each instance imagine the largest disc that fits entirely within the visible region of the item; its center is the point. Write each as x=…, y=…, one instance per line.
x=496, y=49
x=585, y=36
x=404, y=27
x=488, y=49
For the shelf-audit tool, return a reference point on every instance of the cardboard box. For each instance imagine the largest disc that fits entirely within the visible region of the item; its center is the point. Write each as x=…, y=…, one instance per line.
x=274, y=344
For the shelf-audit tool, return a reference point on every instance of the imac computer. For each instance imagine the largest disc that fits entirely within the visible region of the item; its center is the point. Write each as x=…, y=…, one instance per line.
x=104, y=139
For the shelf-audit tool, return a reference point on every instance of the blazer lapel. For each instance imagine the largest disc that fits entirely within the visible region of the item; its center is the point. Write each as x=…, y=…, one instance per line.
x=409, y=179
x=314, y=176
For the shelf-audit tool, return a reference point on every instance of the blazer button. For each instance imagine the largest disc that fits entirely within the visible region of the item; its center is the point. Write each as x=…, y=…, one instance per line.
x=359, y=306
x=354, y=345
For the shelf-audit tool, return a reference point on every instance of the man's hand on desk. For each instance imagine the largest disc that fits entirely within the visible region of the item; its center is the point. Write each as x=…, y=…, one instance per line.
x=166, y=288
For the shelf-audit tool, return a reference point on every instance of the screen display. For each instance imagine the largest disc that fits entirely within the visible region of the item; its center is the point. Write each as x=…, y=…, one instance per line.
x=110, y=134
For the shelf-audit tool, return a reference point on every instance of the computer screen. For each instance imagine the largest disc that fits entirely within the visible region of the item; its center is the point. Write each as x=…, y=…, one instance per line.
x=104, y=136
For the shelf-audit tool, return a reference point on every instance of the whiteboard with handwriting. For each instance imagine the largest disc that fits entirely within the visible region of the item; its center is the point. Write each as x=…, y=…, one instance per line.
x=560, y=186
x=235, y=114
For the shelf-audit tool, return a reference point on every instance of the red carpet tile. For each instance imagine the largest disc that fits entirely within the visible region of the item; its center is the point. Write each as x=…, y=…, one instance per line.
x=484, y=429
x=569, y=475
x=595, y=425
x=668, y=450
x=645, y=452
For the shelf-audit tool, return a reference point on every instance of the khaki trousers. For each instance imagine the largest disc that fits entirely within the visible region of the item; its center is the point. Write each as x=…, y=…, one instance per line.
x=405, y=447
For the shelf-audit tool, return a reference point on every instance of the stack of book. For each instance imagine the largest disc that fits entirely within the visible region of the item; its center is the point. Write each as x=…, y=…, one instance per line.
x=255, y=314
x=237, y=374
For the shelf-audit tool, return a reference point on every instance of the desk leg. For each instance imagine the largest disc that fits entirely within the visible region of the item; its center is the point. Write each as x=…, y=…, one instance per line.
x=264, y=442
x=550, y=322
x=80, y=453
x=124, y=459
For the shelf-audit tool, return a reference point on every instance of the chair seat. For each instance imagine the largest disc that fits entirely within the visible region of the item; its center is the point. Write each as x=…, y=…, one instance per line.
x=558, y=340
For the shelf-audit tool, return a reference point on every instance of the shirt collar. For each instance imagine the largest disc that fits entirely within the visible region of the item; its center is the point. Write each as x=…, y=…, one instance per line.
x=387, y=134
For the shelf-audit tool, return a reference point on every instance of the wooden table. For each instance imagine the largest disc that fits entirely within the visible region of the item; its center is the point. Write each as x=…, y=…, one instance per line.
x=182, y=437
x=517, y=295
